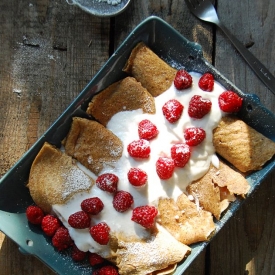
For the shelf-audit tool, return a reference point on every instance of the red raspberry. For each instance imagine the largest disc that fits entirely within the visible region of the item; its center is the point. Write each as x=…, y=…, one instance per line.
x=61, y=239
x=34, y=214
x=107, y=270
x=95, y=259
x=147, y=130
x=183, y=80
x=194, y=136
x=139, y=148
x=180, y=153
x=100, y=233
x=172, y=110
x=107, y=182
x=206, y=82
x=77, y=254
x=145, y=215
x=230, y=102
x=79, y=220
x=137, y=177
x=50, y=224
x=165, y=168
x=122, y=201
x=199, y=107
x=92, y=205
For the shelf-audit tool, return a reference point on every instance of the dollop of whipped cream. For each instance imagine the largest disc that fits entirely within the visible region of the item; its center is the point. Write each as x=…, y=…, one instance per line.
x=125, y=126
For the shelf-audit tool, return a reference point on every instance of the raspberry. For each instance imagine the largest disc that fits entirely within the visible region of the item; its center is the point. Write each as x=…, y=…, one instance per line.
x=77, y=254
x=183, y=80
x=165, y=168
x=230, y=102
x=95, y=259
x=172, y=110
x=145, y=215
x=34, y=214
x=122, y=201
x=137, y=177
x=194, y=136
x=50, y=224
x=180, y=153
x=147, y=130
x=107, y=270
x=206, y=82
x=107, y=182
x=62, y=239
x=92, y=205
x=139, y=148
x=79, y=220
x=199, y=107
x=100, y=233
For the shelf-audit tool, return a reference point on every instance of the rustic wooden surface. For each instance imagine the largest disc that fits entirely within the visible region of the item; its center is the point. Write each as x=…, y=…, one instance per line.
x=49, y=52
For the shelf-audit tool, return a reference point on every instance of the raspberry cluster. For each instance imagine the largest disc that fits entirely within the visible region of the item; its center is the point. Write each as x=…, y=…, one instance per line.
x=123, y=200
x=61, y=238
x=198, y=107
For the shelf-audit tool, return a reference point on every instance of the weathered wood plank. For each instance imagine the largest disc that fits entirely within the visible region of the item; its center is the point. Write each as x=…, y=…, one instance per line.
x=50, y=52
x=173, y=12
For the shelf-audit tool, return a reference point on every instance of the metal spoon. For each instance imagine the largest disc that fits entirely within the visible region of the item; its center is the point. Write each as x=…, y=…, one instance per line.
x=101, y=8
x=205, y=10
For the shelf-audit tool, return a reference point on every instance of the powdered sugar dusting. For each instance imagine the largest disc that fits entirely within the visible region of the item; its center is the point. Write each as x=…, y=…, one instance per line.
x=76, y=180
x=139, y=249
x=110, y=2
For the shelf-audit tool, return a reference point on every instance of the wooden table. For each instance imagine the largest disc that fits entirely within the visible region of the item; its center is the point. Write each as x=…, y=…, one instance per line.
x=49, y=52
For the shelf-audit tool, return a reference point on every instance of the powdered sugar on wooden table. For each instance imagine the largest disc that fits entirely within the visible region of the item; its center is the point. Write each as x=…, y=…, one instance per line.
x=111, y=2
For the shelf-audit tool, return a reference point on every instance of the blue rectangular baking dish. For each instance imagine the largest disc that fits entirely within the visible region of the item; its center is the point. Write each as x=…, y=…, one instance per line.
x=175, y=50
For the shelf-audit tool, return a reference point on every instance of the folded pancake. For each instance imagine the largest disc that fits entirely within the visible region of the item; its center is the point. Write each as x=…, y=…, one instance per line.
x=185, y=220
x=216, y=189
x=149, y=69
x=160, y=251
x=124, y=95
x=93, y=145
x=55, y=178
x=168, y=270
x=241, y=145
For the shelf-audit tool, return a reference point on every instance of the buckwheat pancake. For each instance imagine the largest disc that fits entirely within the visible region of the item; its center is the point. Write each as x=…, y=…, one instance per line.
x=55, y=178
x=161, y=251
x=149, y=69
x=168, y=270
x=126, y=94
x=217, y=188
x=241, y=145
x=92, y=144
x=185, y=220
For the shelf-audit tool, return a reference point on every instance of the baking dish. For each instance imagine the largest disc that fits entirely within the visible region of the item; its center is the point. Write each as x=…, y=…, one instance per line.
x=176, y=50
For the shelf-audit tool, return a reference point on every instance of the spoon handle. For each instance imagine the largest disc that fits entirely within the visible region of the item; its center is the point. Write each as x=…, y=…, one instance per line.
x=261, y=71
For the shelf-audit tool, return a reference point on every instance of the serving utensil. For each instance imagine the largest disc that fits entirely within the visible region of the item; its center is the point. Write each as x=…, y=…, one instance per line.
x=204, y=10
x=101, y=8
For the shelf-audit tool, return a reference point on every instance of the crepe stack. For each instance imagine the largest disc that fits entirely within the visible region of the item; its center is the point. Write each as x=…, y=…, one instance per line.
x=183, y=221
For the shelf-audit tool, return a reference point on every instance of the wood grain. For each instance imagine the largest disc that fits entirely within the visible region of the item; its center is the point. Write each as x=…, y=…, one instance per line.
x=49, y=52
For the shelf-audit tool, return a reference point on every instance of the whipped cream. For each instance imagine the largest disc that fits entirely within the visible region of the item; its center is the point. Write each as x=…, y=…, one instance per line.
x=125, y=126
